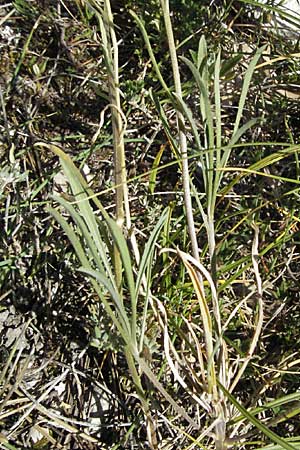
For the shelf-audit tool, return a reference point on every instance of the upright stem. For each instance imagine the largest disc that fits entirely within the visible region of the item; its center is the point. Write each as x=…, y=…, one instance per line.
x=212, y=244
x=110, y=49
x=150, y=424
x=220, y=428
x=118, y=128
x=181, y=132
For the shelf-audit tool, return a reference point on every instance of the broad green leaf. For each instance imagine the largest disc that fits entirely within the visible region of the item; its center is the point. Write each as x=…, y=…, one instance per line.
x=202, y=58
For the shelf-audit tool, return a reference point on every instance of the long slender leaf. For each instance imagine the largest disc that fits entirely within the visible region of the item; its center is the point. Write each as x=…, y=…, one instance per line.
x=228, y=148
x=256, y=422
x=207, y=117
x=151, y=54
x=79, y=186
x=84, y=230
x=283, y=415
x=124, y=320
x=80, y=252
x=202, y=63
x=122, y=327
x=245, y=88
x=207, y=109
x=145, y=263
x=294, y=440
x=218, y=118
x=81, y=192
x=121, y=244
x=149, y=247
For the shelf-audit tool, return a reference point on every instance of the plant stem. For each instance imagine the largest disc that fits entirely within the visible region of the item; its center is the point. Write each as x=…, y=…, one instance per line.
x=150, y=425
x=181, y=132
x=117, y=126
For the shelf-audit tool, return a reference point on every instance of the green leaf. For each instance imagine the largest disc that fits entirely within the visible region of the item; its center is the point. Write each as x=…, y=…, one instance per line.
x=256, y=422
x=93, y=250
x=124, y=324
x=202, y=56
x=229, y=64
x=149, y=247
x=153, y=172
x=206, y=110
x=218, y=108
x=80, y=252
x=150, y=51
x=145, y=265
x=234, y=139
x=82, y=193
x=245, y=88
x=121, y=243
x=295, y=441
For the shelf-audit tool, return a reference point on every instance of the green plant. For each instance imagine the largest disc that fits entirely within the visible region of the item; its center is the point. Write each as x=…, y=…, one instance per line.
x=201, y=344
x=89, y=239
x=214, y=153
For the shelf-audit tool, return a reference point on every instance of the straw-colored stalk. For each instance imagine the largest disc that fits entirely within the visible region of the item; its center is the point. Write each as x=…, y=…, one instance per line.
x=181, y=131
x=110, y=49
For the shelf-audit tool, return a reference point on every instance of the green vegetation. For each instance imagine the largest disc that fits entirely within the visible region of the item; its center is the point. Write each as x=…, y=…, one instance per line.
x=149, y=178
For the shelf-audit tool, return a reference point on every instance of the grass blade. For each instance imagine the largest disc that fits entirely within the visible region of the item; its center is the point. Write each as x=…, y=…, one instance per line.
x=245, y=88
x=151, y=54
x=124, y=321
x=154, y=170
x=256, y=422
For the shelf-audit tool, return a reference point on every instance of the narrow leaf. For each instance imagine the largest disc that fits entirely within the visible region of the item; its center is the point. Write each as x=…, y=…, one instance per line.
x=245, y=88
x=121, y=244
x=257, y=423
x=153, y=172
x=124, y=324
x=151, y=54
